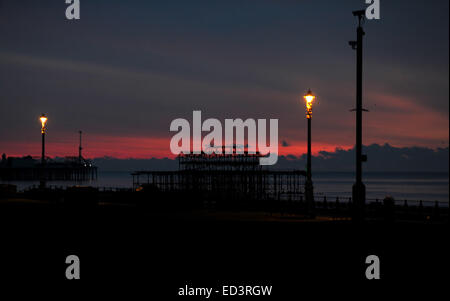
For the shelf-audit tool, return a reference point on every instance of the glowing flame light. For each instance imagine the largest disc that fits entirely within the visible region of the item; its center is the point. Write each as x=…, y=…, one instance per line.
x=309, y=98
x=43, y=120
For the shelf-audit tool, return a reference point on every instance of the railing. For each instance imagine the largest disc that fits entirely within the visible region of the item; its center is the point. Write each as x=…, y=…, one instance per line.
x=59, y=187
x=319, y=198
x=337, y=207
x=398, y=202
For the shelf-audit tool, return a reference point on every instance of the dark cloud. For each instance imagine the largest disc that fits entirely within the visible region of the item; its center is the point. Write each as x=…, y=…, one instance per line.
x=381, y=158
x=284, y=143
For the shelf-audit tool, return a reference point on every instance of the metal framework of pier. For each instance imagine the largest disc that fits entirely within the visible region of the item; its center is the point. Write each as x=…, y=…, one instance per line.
x=230, y=177
x=70, y=170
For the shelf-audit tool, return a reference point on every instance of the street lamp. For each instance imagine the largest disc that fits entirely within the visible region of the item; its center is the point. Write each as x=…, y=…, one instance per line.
x=309, y=98
x=309, y=194
x=43, y=120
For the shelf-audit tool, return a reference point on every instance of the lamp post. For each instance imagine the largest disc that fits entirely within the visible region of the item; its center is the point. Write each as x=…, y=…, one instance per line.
x=43, y=120
x=309, y=192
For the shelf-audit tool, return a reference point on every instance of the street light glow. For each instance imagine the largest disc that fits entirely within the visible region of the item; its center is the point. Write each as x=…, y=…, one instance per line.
x=309, y=98
x=43, y=120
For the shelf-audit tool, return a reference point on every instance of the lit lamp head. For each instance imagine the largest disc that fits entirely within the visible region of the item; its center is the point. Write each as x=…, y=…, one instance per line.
x=43, y=120
x=309, y=98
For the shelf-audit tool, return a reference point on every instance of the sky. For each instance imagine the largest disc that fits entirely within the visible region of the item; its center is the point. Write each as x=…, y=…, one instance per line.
x=126, y=69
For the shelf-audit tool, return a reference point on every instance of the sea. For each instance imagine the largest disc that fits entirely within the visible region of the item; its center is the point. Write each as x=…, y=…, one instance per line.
x=411, y=186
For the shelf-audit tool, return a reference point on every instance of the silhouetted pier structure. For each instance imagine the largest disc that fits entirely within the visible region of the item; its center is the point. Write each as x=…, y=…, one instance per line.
x=233, y=177
x=29, y=169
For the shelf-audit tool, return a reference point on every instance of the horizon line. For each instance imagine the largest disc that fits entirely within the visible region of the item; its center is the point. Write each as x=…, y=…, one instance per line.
x=315, y=154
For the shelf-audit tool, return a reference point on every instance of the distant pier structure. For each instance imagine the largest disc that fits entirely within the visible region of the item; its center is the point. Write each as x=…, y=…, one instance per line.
x=47, y=169
x=224, y=177
x=58, y=169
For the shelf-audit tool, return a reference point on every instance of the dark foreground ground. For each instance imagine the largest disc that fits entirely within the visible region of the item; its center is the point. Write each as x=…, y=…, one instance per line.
x=162, y=251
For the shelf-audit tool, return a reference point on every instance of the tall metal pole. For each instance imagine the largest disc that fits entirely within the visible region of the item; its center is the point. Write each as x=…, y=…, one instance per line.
x=309, y=184
x=308, y=172
x=359, y=190
x=43, y=148
x=79, y=149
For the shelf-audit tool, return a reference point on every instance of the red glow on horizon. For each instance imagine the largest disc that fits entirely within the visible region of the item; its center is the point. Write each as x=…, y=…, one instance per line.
x=131, y=147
